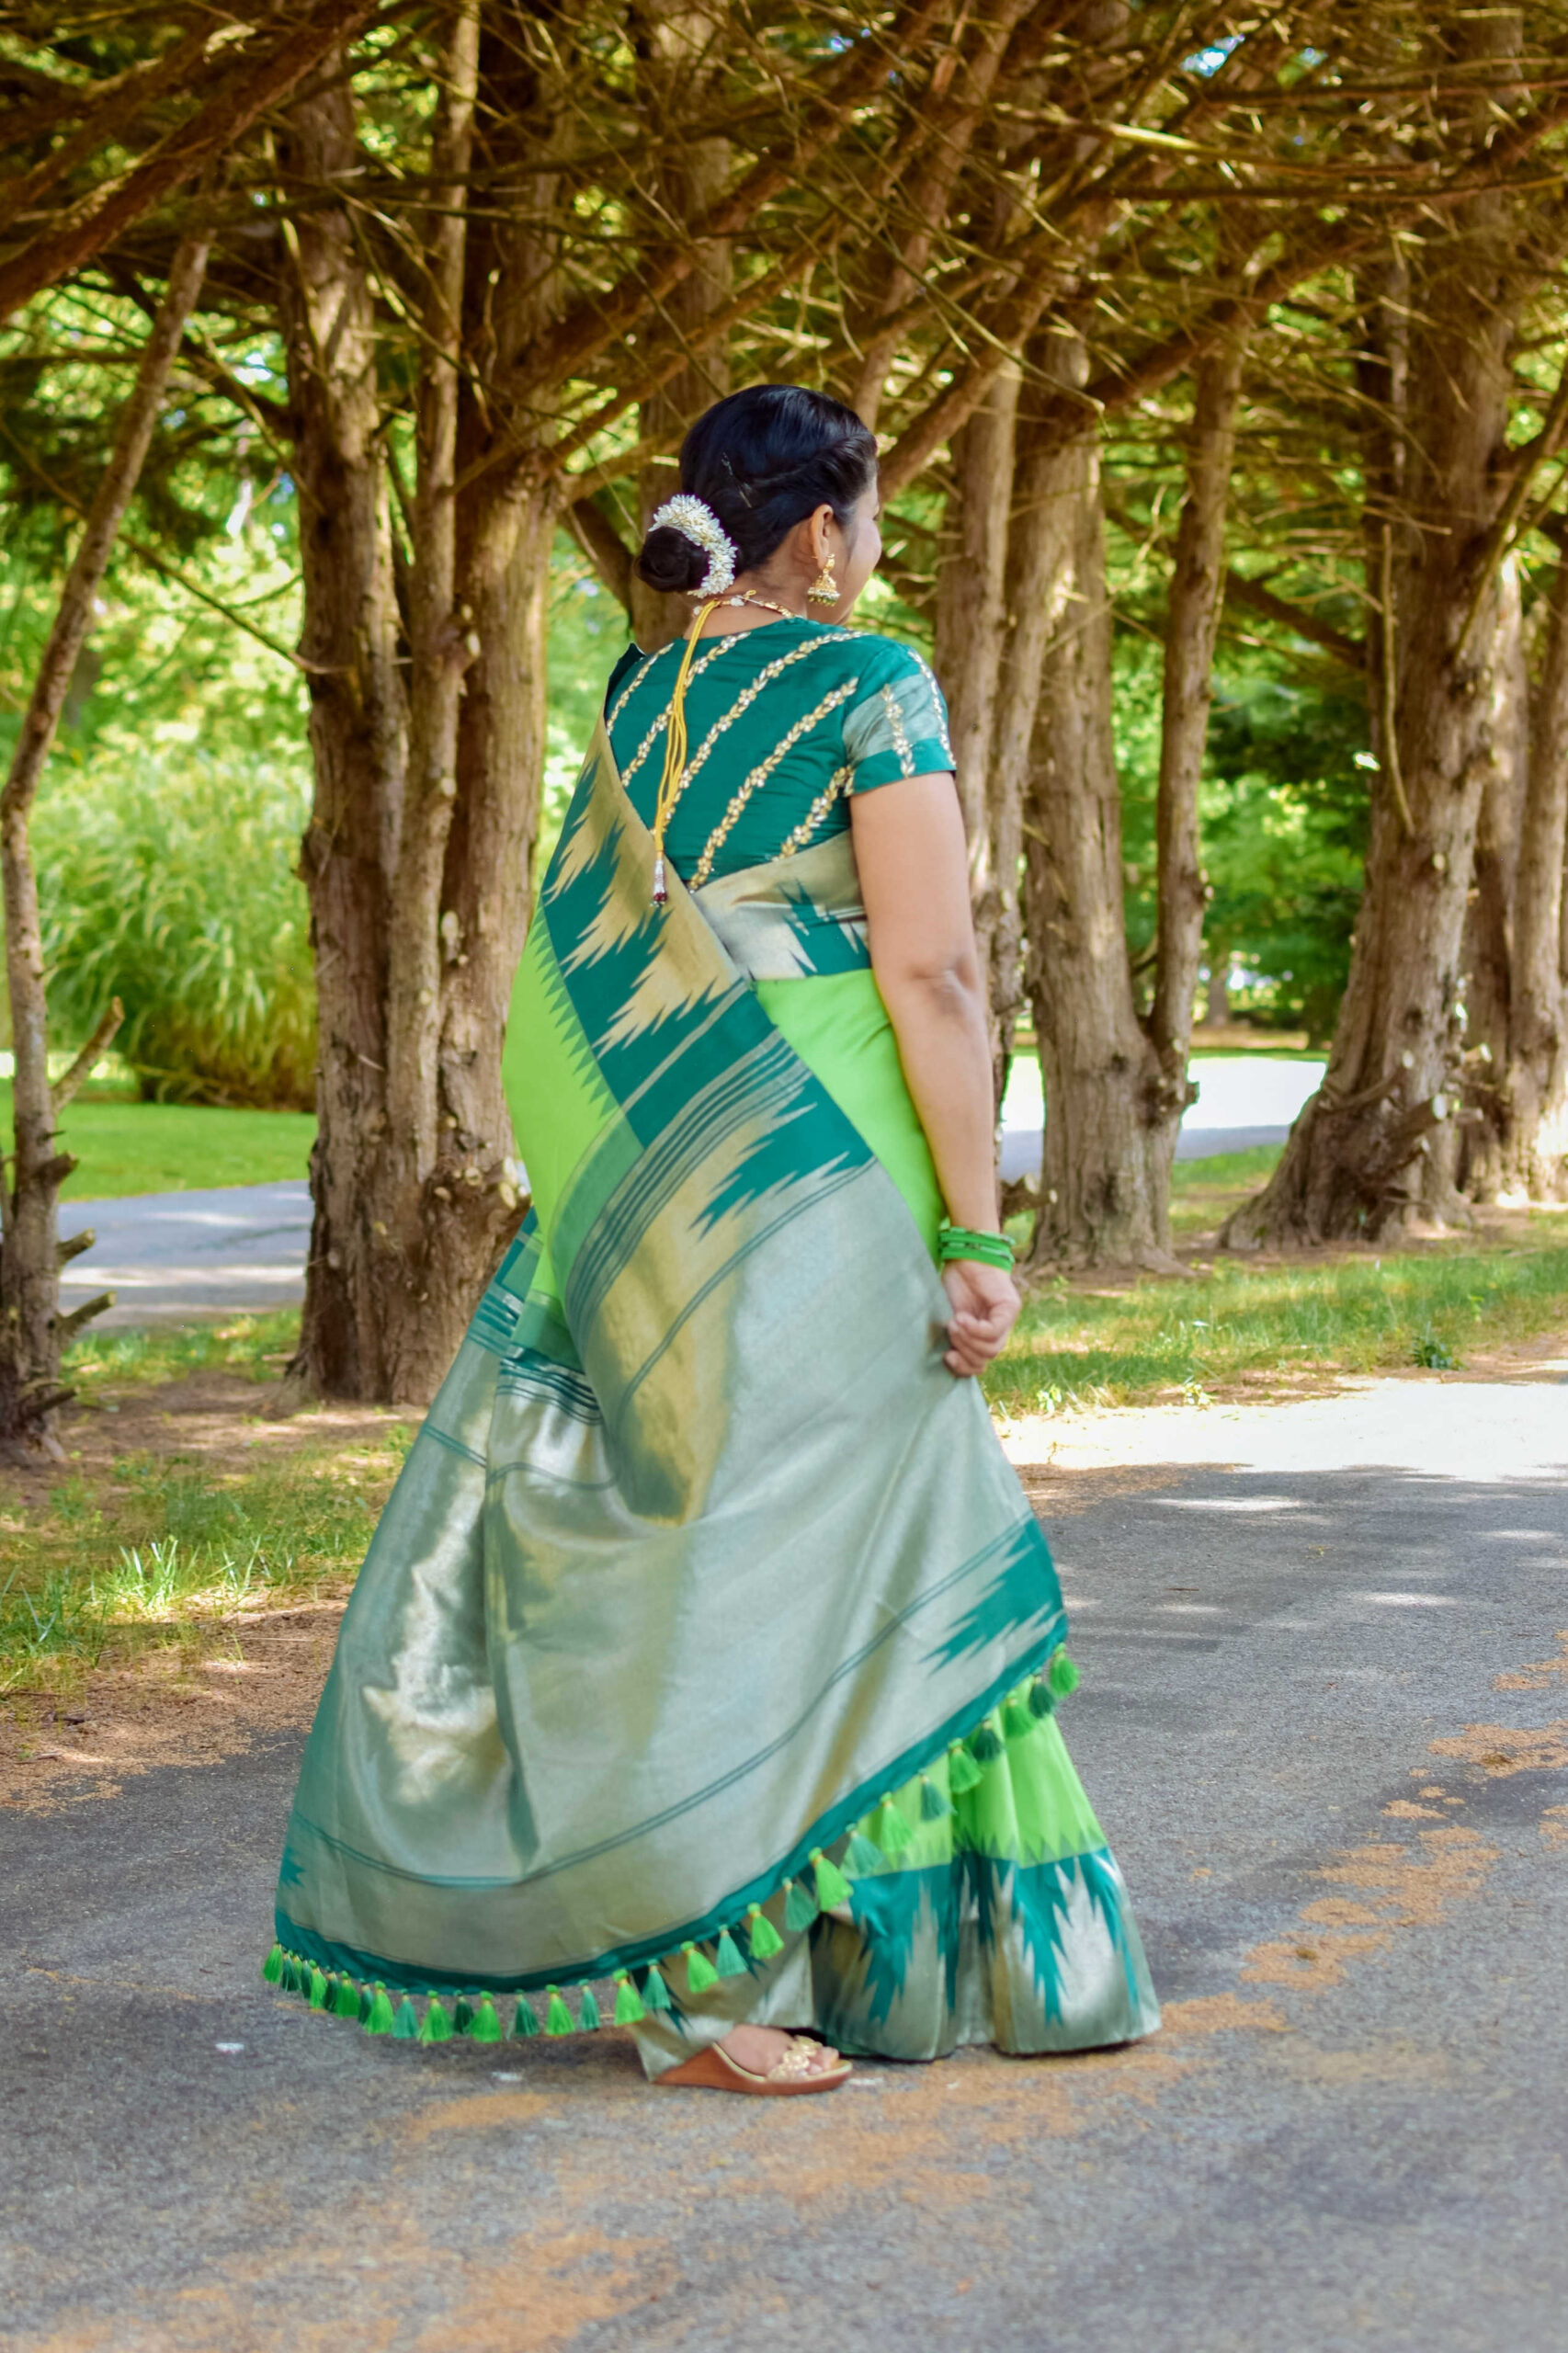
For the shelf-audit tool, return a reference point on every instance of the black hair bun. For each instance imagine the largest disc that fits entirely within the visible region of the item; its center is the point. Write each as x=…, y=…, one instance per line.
x=670, y=562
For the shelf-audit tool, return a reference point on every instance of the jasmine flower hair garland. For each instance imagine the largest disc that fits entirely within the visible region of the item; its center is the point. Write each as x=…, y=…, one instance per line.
x=695, y=521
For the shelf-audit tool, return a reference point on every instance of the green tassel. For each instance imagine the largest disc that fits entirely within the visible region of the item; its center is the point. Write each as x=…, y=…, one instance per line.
x=727, y=1958
x=1062, y=1675
x=1016, y=1719
x=628, y=2008
x=367, y=2004
x=318, y=1990
x=272, y=1967
x=292, y=1984
x=800, y=1906
x=346, y=2001
x=558, y=2018
x=486, y=2027
x=406, y=2026
x=589, y=2010
x=1043, y=1699
x=437, y=2026
x=655, y=1993
x=888, y=1828
x=861, y=1855
x=963, y=1773
x=524, y=2022
x=763, y=1936
x=462, y=2015
x=985, y=1744
x=934, y=1803
x=381, y=2019
x=700, y=1970
x=833, y=1888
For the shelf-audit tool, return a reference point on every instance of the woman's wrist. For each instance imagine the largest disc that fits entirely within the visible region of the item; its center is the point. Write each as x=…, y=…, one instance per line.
x=988, y=1246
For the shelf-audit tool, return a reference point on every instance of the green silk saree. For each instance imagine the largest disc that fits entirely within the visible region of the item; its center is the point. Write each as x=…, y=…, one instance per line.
x=707, y=1610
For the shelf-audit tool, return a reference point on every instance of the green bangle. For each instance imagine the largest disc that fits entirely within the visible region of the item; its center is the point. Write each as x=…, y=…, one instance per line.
x=960, y=1242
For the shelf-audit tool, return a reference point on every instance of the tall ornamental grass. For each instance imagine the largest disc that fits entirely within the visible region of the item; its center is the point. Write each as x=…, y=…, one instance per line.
x=171, y=885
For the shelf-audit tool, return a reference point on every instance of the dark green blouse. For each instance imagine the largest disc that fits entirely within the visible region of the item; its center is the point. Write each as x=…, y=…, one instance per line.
x=783, y=722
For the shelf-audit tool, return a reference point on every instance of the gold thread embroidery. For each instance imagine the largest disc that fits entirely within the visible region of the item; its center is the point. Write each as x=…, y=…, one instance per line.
x=801, y=835
x=760, y=774
x=938, y=705
x=900, y=740
x=702, y=663
x=744, y=700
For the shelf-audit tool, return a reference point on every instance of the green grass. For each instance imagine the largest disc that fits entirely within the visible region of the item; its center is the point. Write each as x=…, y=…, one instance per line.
x=128, y=1147
x=154, y=1547
x=1203, y=1192
x=103, y=1364
x=1158, y=1337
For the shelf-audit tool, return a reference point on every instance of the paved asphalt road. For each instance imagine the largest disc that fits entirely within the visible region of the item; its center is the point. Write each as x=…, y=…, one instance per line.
x=1321, y=1716
x=178, y=1254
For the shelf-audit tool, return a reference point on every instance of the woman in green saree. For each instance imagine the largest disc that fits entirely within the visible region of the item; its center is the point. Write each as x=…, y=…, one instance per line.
x=703, y=1668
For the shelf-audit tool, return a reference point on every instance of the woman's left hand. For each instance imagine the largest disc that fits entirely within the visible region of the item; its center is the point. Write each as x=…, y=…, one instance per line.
x=986, y=1305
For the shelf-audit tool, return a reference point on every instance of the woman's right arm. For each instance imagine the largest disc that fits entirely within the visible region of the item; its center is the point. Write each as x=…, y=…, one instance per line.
x=909, y=846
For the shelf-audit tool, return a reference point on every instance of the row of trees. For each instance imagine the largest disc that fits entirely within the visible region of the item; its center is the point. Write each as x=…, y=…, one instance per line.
x=1270, y=295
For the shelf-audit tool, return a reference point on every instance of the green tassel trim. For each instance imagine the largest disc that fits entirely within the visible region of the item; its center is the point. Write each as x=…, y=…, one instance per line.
x=1016, y=1719
x=933, y=1803
x=405, y=2024
x=524, y=2022
x=985, y=1744
x=486, y=2027
x=833, y=1888
x=963, y=1773
x=800, y=1906
x=862, y=1855
x=588, y=2011
x=1043, y=1699
x=346, y=2001
x=437, y=2026
x=763, y=1936
x=462, y=2015
x=727, y=1958
x=1062, y=1675
x=381, y=2019
x=291, y=1978
x=272, y=1967
x=558, y=2018
x=628, y=2008
x=655, y=1993
x=700, y=1970
x=888, y=1828
x=318, y=1990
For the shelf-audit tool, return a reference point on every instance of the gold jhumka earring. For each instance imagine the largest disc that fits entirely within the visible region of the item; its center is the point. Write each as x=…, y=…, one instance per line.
x=823, y=590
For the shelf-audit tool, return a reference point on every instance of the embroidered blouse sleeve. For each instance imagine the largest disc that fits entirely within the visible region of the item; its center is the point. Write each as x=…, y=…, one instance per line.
x=898, y=726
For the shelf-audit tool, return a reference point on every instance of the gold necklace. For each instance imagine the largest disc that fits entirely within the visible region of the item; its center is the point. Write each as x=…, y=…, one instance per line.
x=750, y=596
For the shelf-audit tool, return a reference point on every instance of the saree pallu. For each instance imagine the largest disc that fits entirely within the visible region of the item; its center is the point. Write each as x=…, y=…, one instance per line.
x=706, y=1611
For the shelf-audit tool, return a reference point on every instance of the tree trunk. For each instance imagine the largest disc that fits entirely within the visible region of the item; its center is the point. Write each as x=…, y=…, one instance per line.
x=1475, y=1147
x=32, y=1331
x=679, y=48
x=971, y=638
x=420, y=849
x=359, y=730
x=1360, y=1160
x=1197, y=595
x=1533, y=1150
x=1102, y=1197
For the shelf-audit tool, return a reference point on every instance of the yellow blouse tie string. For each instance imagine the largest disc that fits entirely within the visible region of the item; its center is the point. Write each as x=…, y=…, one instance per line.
x=673, y=777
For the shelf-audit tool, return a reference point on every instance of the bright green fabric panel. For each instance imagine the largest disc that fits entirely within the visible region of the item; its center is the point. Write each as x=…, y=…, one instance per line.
x=546, y=1063
x=839, y=1027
